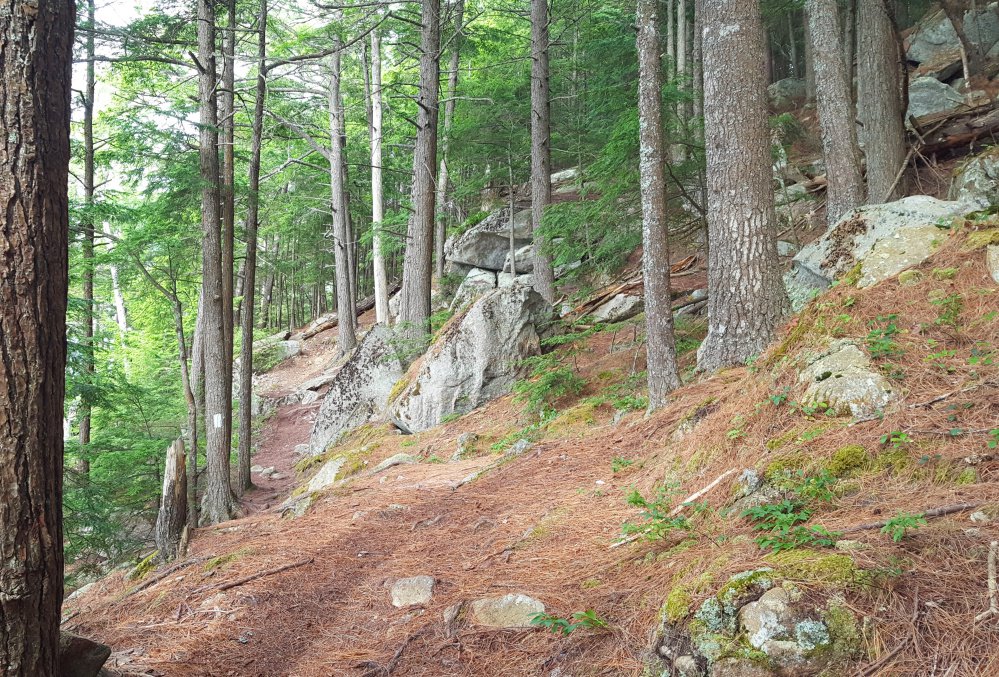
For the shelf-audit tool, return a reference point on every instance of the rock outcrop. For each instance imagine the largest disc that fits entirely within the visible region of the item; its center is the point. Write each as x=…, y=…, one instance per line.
x=474, y=358
x=976, y=180
x=884, y=239
x=934, y=41
x=486, y=244
x=929, y=96
x=81, y=657
x=359, y=391
x=843, y=378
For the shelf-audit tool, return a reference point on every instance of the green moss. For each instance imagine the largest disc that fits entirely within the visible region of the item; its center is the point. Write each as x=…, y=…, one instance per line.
x=813, y=566
x=967, y=476
x=144, y=566
x=229, y=558
x=909, y=277
x=775, y=443
x=746, y=583
x=805, y=324
x=397, y=389
x=678, y=605
x=894, y=460
x=847, y=460
x=590, y=583
x=941, y=274
x=853, y=276
x=786, y=465
x=980, y=239
x=844, y=632
x=580, y=416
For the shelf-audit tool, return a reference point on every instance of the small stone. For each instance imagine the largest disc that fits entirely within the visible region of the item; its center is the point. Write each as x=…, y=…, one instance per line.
x=358, y=515
x=908, y=278
x=514, y=610
x=411, y=591
x=979, y=517
x=276, y=476
x=518, y=447
x=687, y=666
x=398, y=459
x=465, y=443
x=301, y=449
x=267, y=471
x=992, y=261
x=785, y=248
x=257, y=469
x=848, y=545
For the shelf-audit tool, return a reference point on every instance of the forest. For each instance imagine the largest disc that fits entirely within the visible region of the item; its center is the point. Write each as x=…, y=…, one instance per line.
x=639, y=338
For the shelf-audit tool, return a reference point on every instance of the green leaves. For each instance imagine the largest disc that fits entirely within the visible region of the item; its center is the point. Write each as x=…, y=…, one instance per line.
x=566, y=626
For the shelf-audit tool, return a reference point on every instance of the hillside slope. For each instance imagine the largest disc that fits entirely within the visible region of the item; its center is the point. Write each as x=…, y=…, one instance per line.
x=271, y=595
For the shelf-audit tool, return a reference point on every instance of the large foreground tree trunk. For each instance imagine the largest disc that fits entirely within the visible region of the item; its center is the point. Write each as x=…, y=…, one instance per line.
x=217, y=501
x=663, y=375
x=746, y=298
x=879, y=102
x=417, y=268
x=36, y=42
x=839, y=132
x=541, y=150
x=342, y=243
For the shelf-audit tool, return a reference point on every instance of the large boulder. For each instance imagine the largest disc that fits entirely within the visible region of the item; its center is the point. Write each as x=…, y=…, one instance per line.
x=929, y=96
x=487, y=244
x=474, y=358
x=976, y=181
x=360, y=390
x=81, y=657
x=934, y=39
x=619, y=308
x=784, y=91
x=885, y=239
x=476, y=283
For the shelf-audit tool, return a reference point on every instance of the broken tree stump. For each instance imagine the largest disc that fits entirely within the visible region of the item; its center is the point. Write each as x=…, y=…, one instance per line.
x=171, y=522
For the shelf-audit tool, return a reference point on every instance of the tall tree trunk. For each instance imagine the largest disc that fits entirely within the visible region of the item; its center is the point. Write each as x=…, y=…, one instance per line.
x=839, y=132
x=250, y=264
x=541, y=151
x=227, y=102
x=449, y=102
x=663, y=375
x=217, y=502
x=670, y=37
x=417, y=266
x=971, y=57
x=83, y=464
x=377, y=200
x=809, y=58
x=346, y=337
x=849, y=43
x=879, y=102
x=746, y=298
x=36, y=50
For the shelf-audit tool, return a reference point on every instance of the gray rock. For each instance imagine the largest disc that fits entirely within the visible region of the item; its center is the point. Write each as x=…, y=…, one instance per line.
x=929, y=96
x=487, y=244
x=979, y=517
x=476, y=283
x=784, y=632
x=268, y=353
x=327, y=474
x=687, y=666
x=934, y=39
x=474, y=360
x=398, y=459
x=784, y=91
x=565, y=176
x=509, y=611
x=976, y=181
x=508, y=279
x=843, y=378
x=619, y=308
x=886, y=239
x=256, y=468
x=785, y=248
x=359, y=391
x=80, y=657
x=524, y=259
x=465, y=443
x=992, y=261
x=301, y=449
x=412, y=591
x=518, y=448
x=739, y=667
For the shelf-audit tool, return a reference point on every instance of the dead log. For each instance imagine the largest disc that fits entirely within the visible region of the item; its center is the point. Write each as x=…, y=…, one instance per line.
x=363, y=306
x=171, y=522
x=965, y=131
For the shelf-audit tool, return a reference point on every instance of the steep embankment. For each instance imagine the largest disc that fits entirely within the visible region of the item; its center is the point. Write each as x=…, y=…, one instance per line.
x=268, y=595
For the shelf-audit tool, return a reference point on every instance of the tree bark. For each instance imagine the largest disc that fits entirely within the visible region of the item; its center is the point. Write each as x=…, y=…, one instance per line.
x=971, y=57
x=217, y=502
x=746, y=298
x=449, y=102
x=417, y=268
x=346, y=338
x=849, y=43
x=36, y=50
x=541, y=152
x=879, y=103
x=845, y=189
x=663, y=375
x=809, y=58
x=377, y=200
x=171, y=521
x=250, y=263
x=227, y=103
x=83, y=464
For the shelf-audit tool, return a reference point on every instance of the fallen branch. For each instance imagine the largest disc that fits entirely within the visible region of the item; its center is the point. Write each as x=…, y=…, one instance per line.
x=678, y=509
x=933, y=512
x=993, y=609
x=375, y=670
x=260, y=574
x=873, y=668
x=153, y=580
x=940, y=398
x=363, y=306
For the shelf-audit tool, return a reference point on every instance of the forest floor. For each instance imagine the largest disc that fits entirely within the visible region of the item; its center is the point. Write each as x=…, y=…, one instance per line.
x=269, y=595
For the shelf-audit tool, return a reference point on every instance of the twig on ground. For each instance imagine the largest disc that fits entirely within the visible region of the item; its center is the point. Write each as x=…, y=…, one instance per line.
x=153, y=580
x=252, y=577
x=940, y=398
x=993, y=609
x=933, y=512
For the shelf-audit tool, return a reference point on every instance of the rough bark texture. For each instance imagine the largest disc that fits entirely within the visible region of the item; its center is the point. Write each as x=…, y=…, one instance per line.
x=417, y=267
x=442, y=175
x=541, y=150
x=663, y=375
x=227, y=101
x=746, y=298
x=346, y=338
x=217, y=501
x=83, y=465
x=250, y=263
x=879, y=104
x=35, y=58
x=377, y=200
x=171, y=521
x=845, y=188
